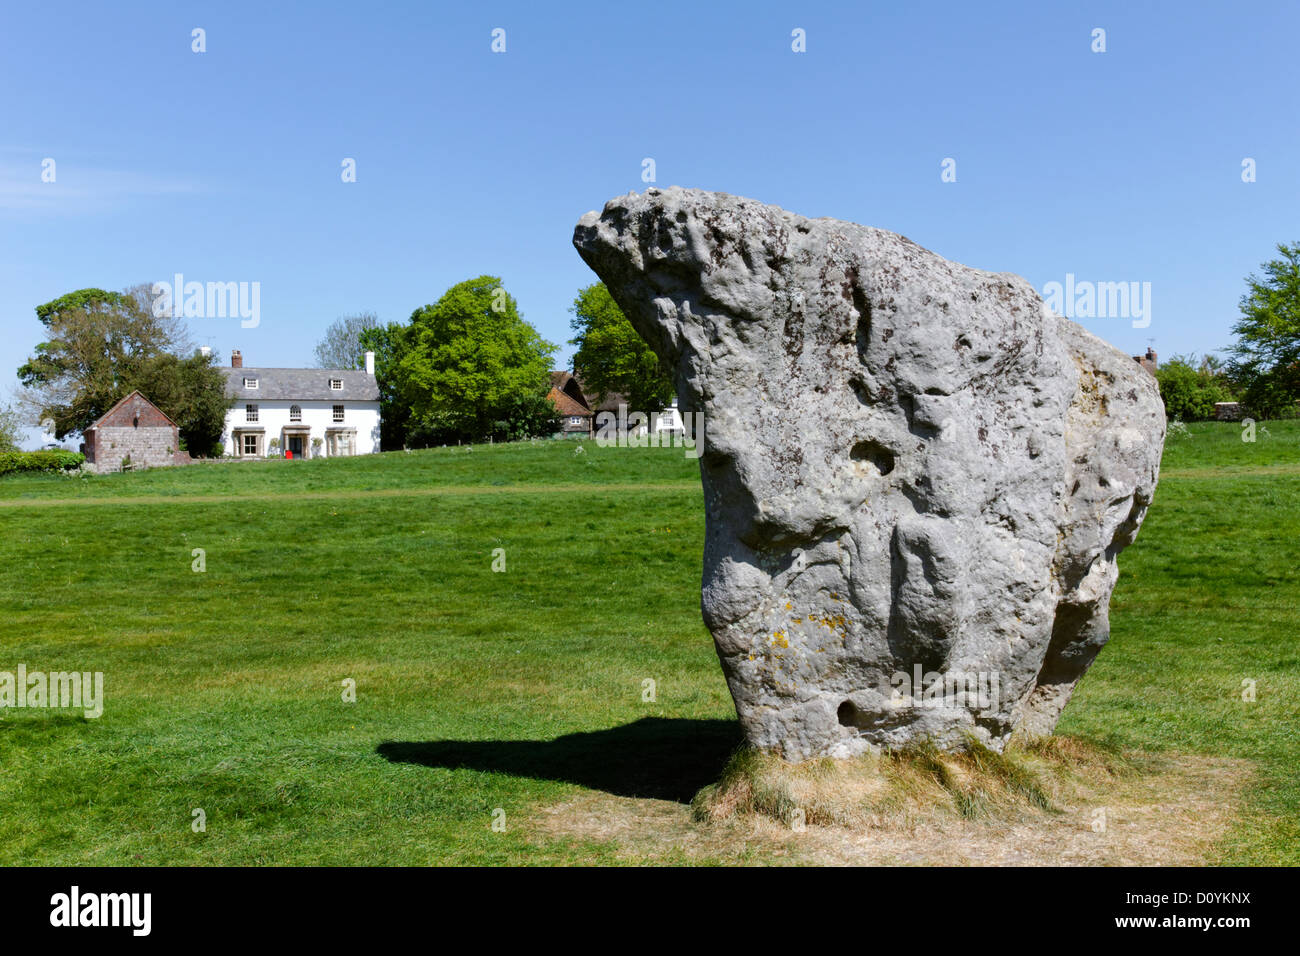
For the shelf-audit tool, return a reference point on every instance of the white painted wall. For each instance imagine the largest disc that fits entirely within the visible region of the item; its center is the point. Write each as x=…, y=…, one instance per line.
x=272, y=416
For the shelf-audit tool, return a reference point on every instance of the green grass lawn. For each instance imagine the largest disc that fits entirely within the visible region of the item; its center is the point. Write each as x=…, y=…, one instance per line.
x=479, y=691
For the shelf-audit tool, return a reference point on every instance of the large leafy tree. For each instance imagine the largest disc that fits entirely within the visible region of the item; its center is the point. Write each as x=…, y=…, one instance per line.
x=467, y=367
x=100, y=346
x=611, y=355
x=341, y=346
x=97, y=344
x=1266, y=355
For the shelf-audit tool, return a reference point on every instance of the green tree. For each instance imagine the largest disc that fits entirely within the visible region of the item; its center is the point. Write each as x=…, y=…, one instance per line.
x=11, y=428
x=1189, y=389
x=388, y=342
x=612, y=357
x=97, y=344
x=469, y=367
x=192, y=392
x=1266, y=355
x=341, y=346
x=102, y=345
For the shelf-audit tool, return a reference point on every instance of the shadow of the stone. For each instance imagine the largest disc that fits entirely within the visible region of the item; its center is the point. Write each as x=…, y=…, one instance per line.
x=655, y=757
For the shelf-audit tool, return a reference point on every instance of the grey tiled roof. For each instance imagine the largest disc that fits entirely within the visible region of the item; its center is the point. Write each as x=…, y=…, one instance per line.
x=301, y=384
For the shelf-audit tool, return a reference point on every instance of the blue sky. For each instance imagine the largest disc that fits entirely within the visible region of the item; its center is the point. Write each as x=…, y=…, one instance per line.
x=1122, y=166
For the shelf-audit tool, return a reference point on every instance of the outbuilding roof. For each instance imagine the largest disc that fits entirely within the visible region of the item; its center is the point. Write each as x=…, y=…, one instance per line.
x=610, y=403
x=136, y=394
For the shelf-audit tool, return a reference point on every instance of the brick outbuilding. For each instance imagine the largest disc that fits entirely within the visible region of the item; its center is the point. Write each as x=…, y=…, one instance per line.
x=133, y=433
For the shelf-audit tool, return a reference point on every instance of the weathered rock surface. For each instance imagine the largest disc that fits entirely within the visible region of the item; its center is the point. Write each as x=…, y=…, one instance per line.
x=911, y=468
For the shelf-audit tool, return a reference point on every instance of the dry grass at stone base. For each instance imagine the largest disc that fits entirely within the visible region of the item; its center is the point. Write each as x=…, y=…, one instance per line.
x=1054, y=801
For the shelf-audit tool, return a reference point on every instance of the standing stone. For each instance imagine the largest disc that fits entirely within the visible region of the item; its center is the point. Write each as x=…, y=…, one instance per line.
x=916, y=477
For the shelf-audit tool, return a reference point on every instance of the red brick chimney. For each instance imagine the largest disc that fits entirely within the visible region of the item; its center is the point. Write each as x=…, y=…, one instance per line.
x=236, y=359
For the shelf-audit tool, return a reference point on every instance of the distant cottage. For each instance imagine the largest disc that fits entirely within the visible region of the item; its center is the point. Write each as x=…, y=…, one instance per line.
x=134, y=433
x=303, y=412
x=582, y=416
x=575, y=412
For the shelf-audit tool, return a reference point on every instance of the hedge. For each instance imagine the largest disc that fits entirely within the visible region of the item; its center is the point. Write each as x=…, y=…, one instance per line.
x=12, y=462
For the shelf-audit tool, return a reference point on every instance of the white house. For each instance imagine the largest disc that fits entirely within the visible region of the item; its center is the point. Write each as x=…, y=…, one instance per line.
x=295, y=406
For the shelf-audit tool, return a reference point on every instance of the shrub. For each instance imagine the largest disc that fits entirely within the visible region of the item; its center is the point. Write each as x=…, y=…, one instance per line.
x=13, y=462
x=1189, y=393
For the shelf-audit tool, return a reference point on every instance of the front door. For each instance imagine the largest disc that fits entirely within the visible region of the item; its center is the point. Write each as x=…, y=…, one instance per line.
x=295, y=445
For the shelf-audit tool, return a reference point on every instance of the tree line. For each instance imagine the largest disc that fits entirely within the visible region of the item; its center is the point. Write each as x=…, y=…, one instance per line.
x=465, y=368
x=469, y=368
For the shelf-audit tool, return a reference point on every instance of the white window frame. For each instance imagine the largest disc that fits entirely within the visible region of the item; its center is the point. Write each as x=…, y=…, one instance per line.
x=250, y=382
x=336, y=384
x=250, y=413
x=244, y=441
x=295, y=413
x=338, y=412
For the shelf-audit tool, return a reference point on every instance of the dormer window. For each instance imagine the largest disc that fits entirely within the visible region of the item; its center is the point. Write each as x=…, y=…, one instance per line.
x=336, y=384
x=250, y=382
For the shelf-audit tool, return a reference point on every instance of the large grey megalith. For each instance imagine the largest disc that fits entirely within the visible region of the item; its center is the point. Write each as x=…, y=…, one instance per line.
x=916, y=477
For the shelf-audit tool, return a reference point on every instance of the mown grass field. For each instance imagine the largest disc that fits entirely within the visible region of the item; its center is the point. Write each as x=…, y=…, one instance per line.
x=479, y=691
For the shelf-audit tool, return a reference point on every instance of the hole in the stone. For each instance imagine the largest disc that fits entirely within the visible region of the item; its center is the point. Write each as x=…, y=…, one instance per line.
x=861, y=390
x=875, y=453
x=847, y=714
x=863, y=329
